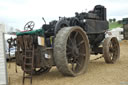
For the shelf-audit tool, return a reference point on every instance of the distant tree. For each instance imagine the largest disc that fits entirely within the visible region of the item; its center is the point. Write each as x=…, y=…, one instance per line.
x=110, y=20
x=114, y=20
x=119, y=21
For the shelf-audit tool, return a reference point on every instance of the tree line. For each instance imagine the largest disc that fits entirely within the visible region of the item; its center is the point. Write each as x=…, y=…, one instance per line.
x=114, y=20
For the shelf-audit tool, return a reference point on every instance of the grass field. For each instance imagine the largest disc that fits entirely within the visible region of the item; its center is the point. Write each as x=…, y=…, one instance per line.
x=114, y=25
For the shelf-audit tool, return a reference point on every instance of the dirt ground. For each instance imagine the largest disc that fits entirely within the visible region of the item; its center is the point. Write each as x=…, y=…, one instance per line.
x=99, y=73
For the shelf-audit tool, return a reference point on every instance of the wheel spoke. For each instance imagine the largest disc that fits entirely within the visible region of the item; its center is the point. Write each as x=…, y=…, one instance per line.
x=31, y=26
x=70, y=40
x=81, y=42
x=78, y=63
x=73, y=66
x=75, y=35
x=112, y=56
x=69, y=46
x=82, y=54
x=69, y=53
x=29, y=23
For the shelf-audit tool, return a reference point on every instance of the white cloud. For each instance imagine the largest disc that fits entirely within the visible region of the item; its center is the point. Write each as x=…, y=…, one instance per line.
x=17, y=12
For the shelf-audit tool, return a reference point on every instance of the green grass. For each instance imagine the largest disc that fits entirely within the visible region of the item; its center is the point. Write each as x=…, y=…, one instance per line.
x=114, y=25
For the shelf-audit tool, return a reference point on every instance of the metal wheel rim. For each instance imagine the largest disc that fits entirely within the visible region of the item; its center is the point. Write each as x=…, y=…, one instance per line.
x=113, y=49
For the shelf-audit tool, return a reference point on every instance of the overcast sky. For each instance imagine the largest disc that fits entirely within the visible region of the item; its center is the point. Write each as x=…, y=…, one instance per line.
x=15, y=13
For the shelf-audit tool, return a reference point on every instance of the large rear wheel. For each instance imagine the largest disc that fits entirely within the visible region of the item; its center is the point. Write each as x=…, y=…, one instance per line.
x=71, y=51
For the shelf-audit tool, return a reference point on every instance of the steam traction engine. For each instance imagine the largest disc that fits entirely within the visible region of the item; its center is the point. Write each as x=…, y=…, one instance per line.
x=68, y=44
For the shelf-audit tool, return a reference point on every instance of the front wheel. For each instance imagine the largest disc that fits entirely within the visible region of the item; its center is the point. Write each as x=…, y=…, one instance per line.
x=71, y=51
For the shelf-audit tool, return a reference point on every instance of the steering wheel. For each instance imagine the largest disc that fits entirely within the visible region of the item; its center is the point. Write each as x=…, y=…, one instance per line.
x=29, y=26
